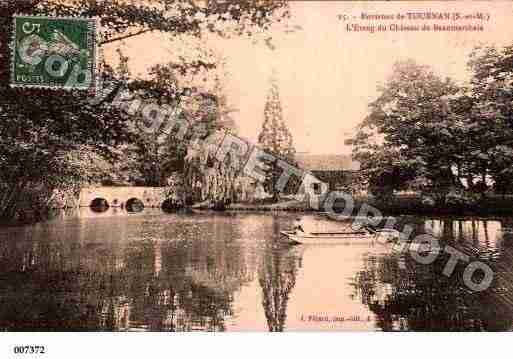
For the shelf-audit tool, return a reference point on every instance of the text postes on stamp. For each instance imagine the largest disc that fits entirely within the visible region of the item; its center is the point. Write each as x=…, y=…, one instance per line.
x=56, y=53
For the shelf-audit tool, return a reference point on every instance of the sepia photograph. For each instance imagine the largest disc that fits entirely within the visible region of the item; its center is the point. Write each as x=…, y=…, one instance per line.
x=255, y=166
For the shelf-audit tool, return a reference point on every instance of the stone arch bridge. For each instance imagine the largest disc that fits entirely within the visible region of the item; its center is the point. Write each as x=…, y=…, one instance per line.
x=119, y=196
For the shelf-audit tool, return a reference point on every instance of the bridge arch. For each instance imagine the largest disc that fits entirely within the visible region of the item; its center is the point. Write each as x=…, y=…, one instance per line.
x=118, y=196
x=99, y=204
x=134, y=205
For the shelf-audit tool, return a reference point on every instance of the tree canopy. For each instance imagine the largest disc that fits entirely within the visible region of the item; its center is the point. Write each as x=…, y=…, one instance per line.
x=431, y=134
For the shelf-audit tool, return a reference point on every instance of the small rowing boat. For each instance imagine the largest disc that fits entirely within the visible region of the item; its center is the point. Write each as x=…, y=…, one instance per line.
x=357, y=237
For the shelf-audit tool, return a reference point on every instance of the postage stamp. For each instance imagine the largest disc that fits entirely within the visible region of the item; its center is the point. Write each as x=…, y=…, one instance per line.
x=53, y=52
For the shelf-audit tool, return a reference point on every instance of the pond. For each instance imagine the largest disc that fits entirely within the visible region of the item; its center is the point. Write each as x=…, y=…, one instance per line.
x=205, y=271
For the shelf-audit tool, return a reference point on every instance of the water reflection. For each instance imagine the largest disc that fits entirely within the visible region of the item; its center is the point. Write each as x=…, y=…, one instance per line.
x=213, y=272
x=406, y=295
x=277, y=277
x=96, y=277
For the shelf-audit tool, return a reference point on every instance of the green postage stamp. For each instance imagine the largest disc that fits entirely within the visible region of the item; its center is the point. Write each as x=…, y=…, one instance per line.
x=55, y=53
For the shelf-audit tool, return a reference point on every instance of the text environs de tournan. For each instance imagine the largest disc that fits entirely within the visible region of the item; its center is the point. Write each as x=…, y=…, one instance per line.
x=427, y=15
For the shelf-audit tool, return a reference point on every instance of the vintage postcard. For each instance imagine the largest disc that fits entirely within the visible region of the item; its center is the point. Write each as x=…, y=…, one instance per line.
x=255, y=166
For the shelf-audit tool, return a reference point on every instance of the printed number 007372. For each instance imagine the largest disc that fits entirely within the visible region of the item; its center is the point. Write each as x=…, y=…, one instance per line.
x=29, y=349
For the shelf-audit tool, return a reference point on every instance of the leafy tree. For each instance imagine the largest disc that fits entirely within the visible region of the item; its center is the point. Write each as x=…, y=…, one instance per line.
x=158, y=153
x=276, y=139
x=448, y=138
x=491, y=131
x=411, y=131
x=211, y=180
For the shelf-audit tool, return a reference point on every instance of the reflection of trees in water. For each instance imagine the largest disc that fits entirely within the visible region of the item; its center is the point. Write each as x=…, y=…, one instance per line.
x=277, y=277
x=53, y=284
x=406, y=295
x=194, y=288
x=476, y=231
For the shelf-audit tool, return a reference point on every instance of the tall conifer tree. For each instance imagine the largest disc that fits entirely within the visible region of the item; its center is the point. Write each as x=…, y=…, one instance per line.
x=275, y=138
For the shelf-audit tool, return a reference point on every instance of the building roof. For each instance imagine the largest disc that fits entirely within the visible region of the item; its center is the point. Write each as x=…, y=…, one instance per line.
x=327, y=162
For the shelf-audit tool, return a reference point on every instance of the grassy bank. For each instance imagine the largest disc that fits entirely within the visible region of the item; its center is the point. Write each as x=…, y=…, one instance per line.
x=404, y=205
x=289, y=205
x=413, y=205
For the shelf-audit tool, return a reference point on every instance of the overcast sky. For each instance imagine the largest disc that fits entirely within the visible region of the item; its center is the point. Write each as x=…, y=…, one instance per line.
x=326, y=75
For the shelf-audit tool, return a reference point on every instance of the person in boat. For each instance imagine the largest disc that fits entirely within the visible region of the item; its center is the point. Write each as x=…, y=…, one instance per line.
x=298, y=227
x=369, y=227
